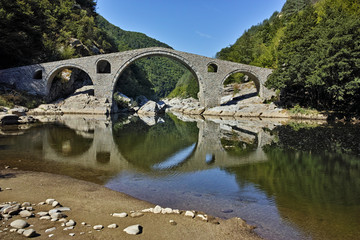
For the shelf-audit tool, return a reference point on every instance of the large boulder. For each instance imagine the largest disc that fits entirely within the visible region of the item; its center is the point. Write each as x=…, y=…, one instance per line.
x=152, y=108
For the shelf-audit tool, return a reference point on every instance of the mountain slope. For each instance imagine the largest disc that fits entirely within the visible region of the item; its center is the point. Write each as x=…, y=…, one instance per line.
x=313, y=47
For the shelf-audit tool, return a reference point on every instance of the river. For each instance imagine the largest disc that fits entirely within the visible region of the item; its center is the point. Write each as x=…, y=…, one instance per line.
x=294, y=181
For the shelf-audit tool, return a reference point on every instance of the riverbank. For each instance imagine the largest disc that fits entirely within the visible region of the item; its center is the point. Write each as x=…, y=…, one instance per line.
x=92, y=205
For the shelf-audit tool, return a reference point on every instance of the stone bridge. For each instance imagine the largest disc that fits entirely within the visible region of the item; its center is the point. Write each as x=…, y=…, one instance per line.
x=104, y=71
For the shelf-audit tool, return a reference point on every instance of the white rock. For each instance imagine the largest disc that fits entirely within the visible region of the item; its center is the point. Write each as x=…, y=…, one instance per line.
x=41, y=214
x=59, y=209
x=136, y=214
x=45, y=218
x=120, y=215
x=70, y=223
x=25, y=214
x=57, y=215
x=189, y=214
x=55, y=203
x=177, y=211
x=202, y=217
x=112, y=226
x=41, y=203
x=148, y=210
x=50, y=201
x=69, y=228
x=51, y=235
x=133, y=229
x=29, y=233
x=19, y=224
x=72, y=234
x=20, y=231
x=98, y=227
x=50, y=229
x=83, y=223
x=26, y=204
x=13, y=230
x=167, y=210
x=157, y=209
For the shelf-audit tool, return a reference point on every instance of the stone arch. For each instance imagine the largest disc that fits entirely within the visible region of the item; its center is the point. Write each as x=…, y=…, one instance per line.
x=161, y=53
x=212, y=67
x=103, y=66
x=38, y=74
x=56, y=70
x=252, y=75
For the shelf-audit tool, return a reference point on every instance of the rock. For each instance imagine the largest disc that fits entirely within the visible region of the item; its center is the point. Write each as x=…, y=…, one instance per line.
x=45, y=218
x=68, y=228
x=13, y=230
x=190, y=214
x=12, y=209
x=25, y=214
x=172, y=222
x=71, y=234
x=50, y=229
x=57, y=215
x=98, y=227
x=59, y=209
x=151, y=108
x=166, y=211
x=112, y=226
x=50, y=201
x=29, y=233
x=19, y=224
x=26, y=204
x=157, y=209
x=133, y=229
x=176, y=211
x=120, y=215
x=41, y=214
x=9, y=119
x=147, y=210
x=20, y=231
x=202, y=217
x=136, y=214
x=55, y=203
x=70, y=223
x=51, y=235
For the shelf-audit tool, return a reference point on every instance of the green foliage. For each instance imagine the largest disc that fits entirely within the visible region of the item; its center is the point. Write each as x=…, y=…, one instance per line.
x=187, y=86
x=257, y=46
x=314, y=48
x=320, y=59
x=133, y=82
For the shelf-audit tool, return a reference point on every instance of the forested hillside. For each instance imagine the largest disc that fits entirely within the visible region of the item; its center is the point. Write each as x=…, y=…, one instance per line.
x=34, y=31
x=314, y=47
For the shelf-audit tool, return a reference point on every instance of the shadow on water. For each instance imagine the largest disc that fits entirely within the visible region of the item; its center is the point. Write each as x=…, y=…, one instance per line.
x=293, y=181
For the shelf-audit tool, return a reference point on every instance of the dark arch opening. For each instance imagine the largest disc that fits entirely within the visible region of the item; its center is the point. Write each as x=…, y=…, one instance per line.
x=155, y=76
x=38, y=74
x=103, y=66
x=238, y=86
x=66, y=80
x=212, y=67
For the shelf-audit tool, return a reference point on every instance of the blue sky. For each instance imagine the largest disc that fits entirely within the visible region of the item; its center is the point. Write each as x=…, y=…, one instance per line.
x=202, y=27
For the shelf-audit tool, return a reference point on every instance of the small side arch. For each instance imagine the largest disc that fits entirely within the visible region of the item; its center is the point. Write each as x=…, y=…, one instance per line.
x=38, y=74
x=103, y=66
x=253, y=77
x=56, y=70
x=212, y=67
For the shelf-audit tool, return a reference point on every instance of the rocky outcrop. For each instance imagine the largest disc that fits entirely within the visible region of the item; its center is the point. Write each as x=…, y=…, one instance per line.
x=152, y=108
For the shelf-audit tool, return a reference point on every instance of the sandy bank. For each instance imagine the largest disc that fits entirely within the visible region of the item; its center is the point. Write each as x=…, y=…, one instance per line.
x=93, y=204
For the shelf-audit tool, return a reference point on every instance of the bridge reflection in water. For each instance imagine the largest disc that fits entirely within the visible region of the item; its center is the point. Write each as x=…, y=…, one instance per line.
x=132, y=144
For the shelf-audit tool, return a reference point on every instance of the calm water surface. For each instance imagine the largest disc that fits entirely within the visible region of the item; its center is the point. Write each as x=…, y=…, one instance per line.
x=295, y=181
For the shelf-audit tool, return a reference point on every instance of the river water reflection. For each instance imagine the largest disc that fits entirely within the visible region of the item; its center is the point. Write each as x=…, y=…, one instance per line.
x=295, y=181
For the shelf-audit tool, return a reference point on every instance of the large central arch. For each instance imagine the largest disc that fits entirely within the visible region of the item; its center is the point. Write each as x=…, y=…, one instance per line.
x=161, y=53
